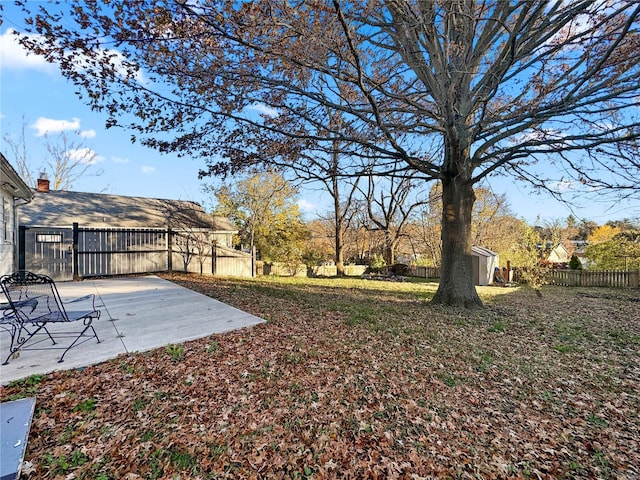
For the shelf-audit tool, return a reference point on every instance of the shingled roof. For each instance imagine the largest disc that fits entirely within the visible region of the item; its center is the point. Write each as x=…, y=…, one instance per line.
x=61, y=208
x=11, y=181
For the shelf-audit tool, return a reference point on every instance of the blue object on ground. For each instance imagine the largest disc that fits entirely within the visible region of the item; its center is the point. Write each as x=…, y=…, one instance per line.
x=15, y=422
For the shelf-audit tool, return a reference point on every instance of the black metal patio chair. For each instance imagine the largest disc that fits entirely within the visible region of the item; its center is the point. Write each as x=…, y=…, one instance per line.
x=35, y=306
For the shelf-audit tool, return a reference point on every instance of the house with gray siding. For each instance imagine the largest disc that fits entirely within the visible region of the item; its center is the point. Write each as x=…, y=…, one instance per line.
x=14, y=193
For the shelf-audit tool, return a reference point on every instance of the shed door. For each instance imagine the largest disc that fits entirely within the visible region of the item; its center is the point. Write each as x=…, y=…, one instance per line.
x=475, y=260
x=48, y=251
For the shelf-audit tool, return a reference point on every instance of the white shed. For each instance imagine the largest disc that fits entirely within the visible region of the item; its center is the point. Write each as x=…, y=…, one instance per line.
x=484, y=263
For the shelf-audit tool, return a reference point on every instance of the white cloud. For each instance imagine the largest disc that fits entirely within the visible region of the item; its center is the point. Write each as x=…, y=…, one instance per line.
x=105, y=56
x=88, y=133
x=306, y=206
x=263, y=109
x=119, y=160
x=118, y=60
x=14, y=56
x=147, y=169
x=584, y=23
x=84, y=155
x=48, y=125
x=564, y=186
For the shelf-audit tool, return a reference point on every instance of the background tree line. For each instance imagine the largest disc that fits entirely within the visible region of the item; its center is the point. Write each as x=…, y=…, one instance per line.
x=394, y=222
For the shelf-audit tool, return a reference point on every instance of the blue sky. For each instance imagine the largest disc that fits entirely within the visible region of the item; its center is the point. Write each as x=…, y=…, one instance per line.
x=33, y=90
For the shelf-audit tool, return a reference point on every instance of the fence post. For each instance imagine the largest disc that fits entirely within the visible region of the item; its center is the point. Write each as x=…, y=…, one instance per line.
x=253, y=261
x=214, y=258
x=74, y=255
x=169, y=250
x=22, y=244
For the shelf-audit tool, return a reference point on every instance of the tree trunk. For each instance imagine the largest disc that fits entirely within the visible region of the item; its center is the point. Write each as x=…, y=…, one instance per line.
x=457, y=286
x=339, y=251
x=339, y=231
x=389, y=248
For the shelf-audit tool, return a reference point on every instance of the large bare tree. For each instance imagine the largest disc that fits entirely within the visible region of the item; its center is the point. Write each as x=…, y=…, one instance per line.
x=427, y=233
x=455, y=89
x=67, y=159
x=342, y=193
x=324, y=169
x=392, y=203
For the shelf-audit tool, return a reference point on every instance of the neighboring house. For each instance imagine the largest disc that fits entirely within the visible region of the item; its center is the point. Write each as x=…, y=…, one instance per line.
x=13, y=193
x=559, y=254
x=75, y=234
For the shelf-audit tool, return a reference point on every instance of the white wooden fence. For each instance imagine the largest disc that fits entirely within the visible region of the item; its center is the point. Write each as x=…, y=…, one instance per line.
x=426, y=272
x=595, y=278
x=350, y=270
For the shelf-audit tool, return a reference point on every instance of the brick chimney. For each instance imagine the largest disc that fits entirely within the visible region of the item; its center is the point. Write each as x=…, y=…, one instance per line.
x=43, y=183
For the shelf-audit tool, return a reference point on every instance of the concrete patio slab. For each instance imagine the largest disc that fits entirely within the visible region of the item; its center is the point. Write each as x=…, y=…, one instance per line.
x=138, y=314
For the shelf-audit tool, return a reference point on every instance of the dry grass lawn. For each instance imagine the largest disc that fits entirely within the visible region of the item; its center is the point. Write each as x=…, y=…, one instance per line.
x=359, y=379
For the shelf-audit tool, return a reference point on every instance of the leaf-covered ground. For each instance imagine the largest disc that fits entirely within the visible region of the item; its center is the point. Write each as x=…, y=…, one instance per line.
x=359, y=379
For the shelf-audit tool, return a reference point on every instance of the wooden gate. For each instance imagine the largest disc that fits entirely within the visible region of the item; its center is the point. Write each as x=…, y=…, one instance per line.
x=46, y=250
x=121, y=251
